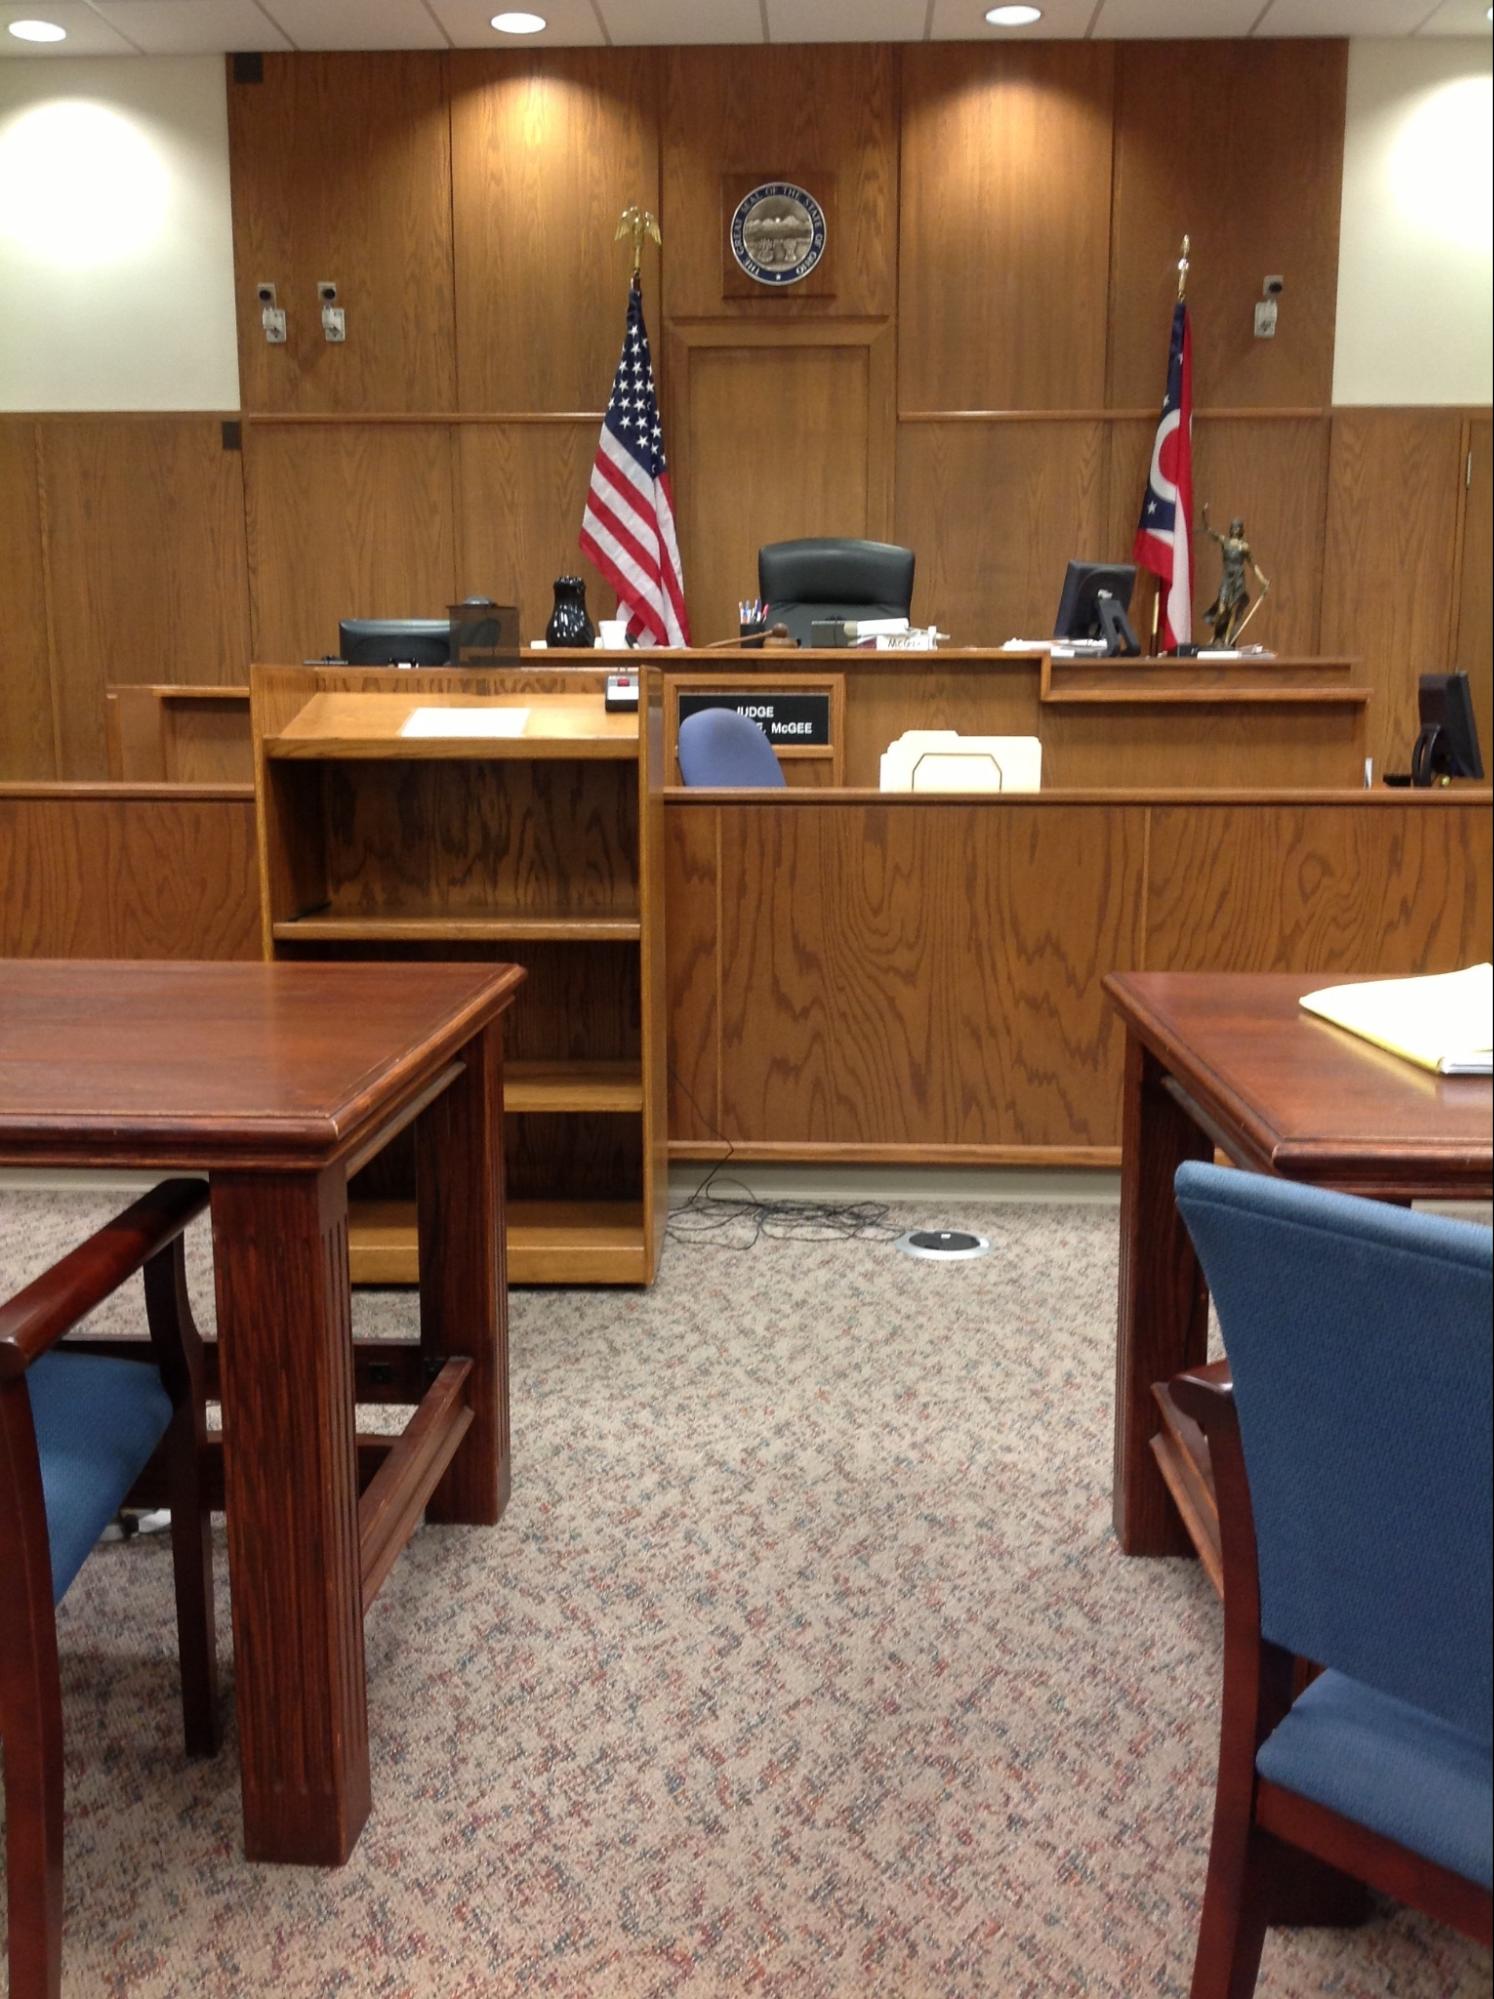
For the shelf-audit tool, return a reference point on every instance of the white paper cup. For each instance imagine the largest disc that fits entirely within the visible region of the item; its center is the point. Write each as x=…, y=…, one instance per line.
x=612, y=633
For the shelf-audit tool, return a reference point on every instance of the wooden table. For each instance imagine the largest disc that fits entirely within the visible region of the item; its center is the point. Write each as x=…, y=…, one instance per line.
x=1230, y=1060
x=278, y=1082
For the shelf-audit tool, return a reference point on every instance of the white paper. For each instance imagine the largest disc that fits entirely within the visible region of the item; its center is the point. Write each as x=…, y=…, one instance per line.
x=1060, y=648
x=465, y=722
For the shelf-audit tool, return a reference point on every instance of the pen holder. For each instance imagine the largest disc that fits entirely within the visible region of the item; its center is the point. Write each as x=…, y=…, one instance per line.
x=751, y=630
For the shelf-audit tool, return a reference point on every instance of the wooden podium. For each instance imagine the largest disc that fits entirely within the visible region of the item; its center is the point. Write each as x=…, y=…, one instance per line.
x=542, y=848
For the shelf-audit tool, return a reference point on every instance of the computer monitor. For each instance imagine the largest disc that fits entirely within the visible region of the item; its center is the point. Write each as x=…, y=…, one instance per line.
x=395, y=641
x=1448, y=743
x=1096, y=597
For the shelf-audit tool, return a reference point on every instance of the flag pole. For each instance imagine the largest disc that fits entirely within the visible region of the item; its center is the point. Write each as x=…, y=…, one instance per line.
x=1156, y=593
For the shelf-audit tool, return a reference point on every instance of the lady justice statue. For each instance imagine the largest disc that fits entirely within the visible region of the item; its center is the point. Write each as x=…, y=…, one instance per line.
x=1231, y=610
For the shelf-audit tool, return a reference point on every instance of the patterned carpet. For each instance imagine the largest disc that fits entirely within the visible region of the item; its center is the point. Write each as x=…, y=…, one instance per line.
x=802, y=1664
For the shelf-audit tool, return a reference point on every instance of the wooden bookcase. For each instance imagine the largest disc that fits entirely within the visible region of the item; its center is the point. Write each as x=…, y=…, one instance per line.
x=543, y=849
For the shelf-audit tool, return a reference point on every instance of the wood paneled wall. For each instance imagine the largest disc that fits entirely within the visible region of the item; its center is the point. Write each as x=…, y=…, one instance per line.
x=975, y=372
x=931, y=990
x=128, y=871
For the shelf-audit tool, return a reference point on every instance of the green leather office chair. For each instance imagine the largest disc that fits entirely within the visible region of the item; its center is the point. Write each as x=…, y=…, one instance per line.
x=801, y=581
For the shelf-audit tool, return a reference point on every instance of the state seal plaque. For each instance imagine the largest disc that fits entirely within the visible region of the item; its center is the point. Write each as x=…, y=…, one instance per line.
x=778, y=233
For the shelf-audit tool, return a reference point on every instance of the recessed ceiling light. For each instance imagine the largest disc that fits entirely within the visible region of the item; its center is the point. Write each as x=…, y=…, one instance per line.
x=38, y=31
x=519, y=24
x=1013, y=17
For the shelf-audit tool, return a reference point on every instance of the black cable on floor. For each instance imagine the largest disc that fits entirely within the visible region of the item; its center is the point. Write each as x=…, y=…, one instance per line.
x=742, y=1220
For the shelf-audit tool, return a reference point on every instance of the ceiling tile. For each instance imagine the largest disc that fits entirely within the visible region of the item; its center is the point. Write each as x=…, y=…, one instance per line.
x=87, y=35
x=191, y=27
x=965, y=21
x=1342, y=17
x=1459, y=17
x=683, y=20
x=1174, y=20
x=846, y=20
x=569, y=24
x=356, y=24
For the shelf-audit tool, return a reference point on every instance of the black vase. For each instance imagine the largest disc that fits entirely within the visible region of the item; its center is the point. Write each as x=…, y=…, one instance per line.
x=569, y=625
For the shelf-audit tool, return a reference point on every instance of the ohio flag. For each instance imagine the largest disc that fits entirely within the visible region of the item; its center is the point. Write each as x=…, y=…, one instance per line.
x=1164, y=534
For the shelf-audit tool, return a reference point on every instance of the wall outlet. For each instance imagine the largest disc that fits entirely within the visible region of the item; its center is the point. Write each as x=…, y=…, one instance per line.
x=1265, y=319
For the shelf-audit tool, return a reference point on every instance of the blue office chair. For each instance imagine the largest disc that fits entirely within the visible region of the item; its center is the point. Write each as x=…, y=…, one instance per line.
x=1351, y=1457
x=719, y=747
x=78, y=1426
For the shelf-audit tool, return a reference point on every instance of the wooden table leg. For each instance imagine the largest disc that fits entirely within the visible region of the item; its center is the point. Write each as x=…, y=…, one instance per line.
x=463, y=1273
x=280, y=1248
x=1164, y=1305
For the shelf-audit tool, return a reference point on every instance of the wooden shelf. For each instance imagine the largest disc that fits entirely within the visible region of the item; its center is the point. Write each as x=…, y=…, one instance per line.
x=1207, y=697
x=549, y=1242
x=559, y=727
x=572, y=1086
x=412, y=927
x=538, y=848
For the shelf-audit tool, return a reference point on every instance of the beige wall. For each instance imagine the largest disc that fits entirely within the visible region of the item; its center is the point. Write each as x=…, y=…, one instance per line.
x=1414, y=276
x=116, y=251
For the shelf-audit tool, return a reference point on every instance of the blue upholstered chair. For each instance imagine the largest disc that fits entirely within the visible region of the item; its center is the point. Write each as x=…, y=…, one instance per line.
x=78, y=1427
x=719, y=747
x=1351, y=1456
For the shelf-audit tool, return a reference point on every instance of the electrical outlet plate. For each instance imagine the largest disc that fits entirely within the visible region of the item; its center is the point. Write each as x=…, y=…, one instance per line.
x=1265, y=319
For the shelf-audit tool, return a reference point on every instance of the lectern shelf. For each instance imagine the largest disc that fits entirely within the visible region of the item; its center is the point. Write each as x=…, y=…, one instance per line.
x=541, y=848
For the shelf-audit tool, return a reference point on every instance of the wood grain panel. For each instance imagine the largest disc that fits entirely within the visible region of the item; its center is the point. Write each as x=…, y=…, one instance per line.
x=1473, y=623
x=780, y=440
x=105, y=871
x=145, y=563
x=523, y=491
x=345, y=520
x=1004, y=225
x=784, y=112
x=548, y=148
x=573, y=1158
x=443, y=838
x=1318, y=888
x=993, y=512
x=175, y=735
x=935, y=978
x=1272, y=472
x=1393, y=488
x=340, y=168
x=27, y=743
x=1273, y=476
x=1291, y=745
x=692, y=897
x=1259, y=127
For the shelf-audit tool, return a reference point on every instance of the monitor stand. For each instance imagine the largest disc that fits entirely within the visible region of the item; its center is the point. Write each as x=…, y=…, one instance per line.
x=1115, y=628
x=1423, y=755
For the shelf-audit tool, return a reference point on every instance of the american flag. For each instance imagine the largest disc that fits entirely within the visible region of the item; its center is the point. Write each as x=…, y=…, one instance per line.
x=1164, y=534
x=628, y=527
